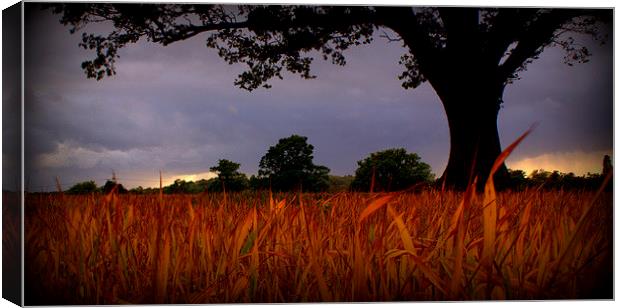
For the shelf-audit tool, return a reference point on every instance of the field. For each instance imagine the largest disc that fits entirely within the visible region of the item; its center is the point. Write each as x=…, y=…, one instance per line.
x=258, y=247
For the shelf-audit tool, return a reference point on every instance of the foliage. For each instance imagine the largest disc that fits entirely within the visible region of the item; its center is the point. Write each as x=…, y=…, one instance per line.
x=228, y=178
x=543, y=179
x=555, y=180
x=516, y=179
x=391, y=170
x=258, y=183
x=185, y=187
x=339, y=183
x=83, y=188
x=270, y=39
x=138, y=190
x=288, y=166
x=113, y=185
x=607, y=167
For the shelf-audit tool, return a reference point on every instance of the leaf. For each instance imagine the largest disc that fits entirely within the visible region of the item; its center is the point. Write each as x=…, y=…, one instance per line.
x=489, y=221
x=404, y=233
x=248, y=243
x=240, y=285
x=375, y=205
x=429, y=273
x=323, y=290
x=502, y=157
x=489, y=212
x=458, y=222
x=243, y=231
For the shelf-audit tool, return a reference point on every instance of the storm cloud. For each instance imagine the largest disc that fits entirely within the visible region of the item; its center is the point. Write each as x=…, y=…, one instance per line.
x=176, y=109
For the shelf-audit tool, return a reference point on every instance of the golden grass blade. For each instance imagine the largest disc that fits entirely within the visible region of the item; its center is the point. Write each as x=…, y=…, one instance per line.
x=489, y=211
x=430, y=274
x=502, y=156
x=402, y=230
x=458, y=222
x=578, y=228
x=163, y=267
x=373, y=206
x=280, y=205
x=242, y=232
x=523, y=226
x=254, y=259
x=323, y=290
x=271, y=203
x=489, y=222
x=240, y=285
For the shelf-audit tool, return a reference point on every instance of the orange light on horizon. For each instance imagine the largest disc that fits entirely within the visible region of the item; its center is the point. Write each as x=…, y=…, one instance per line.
x=578, y=162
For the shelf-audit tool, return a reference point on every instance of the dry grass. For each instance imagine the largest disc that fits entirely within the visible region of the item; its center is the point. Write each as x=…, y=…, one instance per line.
x=251, y=247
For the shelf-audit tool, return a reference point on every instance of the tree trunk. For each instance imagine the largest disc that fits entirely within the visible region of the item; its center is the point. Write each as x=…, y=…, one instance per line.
x=472, y=110
x=465, y=75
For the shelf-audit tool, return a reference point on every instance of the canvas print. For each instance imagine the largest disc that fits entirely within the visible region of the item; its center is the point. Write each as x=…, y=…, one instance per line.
x=207, y=153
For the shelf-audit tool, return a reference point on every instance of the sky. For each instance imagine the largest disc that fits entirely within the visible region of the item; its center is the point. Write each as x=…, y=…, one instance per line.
x=175, y=109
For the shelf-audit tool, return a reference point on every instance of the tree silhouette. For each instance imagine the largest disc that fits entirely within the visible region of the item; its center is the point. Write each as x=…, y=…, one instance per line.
x=607, y=170
x=112, y=185
x=390, y=170
x=228, y=177
x=288, y=166
x=468, y=55
x=83, y=188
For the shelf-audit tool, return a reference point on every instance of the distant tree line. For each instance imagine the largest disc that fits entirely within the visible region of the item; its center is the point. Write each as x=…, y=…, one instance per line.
x=554, y=180
x=289, y=166
x=91, y=187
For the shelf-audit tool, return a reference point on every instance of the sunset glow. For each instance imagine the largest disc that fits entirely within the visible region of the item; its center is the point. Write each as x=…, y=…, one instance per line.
x=194, y=177
x=579, y=163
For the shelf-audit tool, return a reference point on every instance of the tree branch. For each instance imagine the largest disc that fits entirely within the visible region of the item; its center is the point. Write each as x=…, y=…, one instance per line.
x=535, y=38
x=462, y=27
x=503, y=32
x=406, y=24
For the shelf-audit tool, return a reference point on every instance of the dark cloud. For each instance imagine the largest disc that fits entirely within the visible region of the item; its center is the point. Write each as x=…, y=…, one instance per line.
x=175, y=108
x=572, y=104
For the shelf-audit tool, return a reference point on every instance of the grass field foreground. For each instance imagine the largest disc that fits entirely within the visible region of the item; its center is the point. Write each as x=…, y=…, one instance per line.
x=255, y=247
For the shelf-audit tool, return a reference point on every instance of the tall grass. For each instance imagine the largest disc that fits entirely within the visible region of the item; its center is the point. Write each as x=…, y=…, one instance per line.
x=254, y=247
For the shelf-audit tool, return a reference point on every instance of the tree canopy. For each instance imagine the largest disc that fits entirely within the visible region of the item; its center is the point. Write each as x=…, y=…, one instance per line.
x=112, y=185
x=467, y=54
x=228, y=177
x=185, y=187
x=83, y=188
x=391, y=170
x=288, y=166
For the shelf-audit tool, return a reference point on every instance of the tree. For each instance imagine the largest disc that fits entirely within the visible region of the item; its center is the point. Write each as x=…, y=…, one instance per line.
x=340, y=183
x=258, y=183
x=228, y=178
x=186, y=187
x=566, y=181
x=111, y=185
x=468, y=55
x=83, y=188
x=517, y=179
x=288, y=166
x=607, y=169
x=137, y=190
x=177, y=187
x=390, y=170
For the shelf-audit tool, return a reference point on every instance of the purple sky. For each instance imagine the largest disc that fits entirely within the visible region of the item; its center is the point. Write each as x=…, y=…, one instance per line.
x=176, y=109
